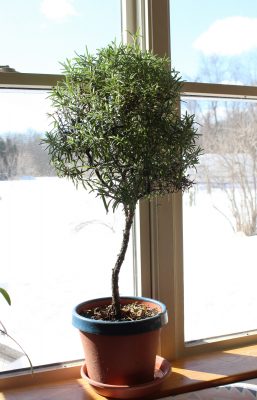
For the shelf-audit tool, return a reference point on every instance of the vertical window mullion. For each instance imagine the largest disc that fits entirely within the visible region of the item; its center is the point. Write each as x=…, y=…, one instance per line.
x=160, y=230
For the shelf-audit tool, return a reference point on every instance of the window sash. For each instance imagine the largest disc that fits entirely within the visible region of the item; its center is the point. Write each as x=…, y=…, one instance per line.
x=17, y=80
x=164, y=230
x=219, y=91
x=161, y=227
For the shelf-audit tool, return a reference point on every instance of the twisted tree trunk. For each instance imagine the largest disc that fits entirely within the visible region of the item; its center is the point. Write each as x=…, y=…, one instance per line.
x=129, y=214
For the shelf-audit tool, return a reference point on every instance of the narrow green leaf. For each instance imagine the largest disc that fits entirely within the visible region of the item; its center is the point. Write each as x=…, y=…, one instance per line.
x=105, y=203
x=6, y=295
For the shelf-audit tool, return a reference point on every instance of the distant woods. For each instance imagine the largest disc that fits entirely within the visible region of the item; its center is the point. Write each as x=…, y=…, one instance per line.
x=21, y=155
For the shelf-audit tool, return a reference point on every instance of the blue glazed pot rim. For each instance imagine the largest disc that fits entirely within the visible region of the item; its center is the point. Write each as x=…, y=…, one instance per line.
x=89, y=325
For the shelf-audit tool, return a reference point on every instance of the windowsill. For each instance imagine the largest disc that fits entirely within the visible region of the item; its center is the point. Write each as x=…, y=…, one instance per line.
x=188, y=374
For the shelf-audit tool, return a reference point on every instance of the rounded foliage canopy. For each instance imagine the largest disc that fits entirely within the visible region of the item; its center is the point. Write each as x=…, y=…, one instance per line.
x=117, y=128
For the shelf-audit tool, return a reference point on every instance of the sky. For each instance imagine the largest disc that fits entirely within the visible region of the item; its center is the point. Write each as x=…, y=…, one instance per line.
x=201, y=29
x=37, y=35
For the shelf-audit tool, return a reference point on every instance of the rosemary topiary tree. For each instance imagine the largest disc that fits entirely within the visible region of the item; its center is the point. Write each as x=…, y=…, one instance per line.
x=118, y=132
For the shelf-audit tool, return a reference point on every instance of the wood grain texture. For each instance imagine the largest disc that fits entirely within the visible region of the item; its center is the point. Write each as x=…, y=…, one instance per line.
x=188, y=374
x=67, y=390
x=212, y=369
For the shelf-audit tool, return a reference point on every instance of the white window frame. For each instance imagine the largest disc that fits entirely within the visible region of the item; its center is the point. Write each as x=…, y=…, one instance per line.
x=161, y=236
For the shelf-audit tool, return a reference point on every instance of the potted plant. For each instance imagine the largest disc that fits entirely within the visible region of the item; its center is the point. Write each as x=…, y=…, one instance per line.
x=118, y=132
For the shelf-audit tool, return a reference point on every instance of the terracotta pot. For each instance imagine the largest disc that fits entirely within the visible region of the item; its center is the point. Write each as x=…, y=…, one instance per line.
x=120, y=352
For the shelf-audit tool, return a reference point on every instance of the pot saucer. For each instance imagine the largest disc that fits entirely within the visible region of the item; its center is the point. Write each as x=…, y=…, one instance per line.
x=162, y=370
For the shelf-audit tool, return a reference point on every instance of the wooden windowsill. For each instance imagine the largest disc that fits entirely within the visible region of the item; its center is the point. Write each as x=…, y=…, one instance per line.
x=188, y=374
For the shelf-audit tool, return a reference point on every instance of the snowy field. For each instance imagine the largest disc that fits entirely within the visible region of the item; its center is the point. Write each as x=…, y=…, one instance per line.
x=58, y=247
x=220, y=270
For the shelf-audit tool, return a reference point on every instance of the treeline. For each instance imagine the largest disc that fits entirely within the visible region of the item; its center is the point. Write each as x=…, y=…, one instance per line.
x=22, y=155
x=228, y=135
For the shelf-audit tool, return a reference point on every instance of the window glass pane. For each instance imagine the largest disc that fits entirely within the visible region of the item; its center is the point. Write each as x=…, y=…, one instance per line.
x=58, y=246
x=38, y=34
x=220, y=215
x=215, y=41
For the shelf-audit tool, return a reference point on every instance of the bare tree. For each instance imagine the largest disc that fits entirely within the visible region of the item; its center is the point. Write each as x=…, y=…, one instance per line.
x=33, y=160
x=230, y=143
x=229, y=138
x=8, y=158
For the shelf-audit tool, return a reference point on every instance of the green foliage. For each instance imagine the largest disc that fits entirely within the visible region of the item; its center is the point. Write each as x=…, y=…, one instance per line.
x=5, y=295
x=117, y=128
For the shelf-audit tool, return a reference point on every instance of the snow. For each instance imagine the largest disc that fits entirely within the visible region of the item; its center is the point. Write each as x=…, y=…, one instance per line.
x=220, y=270
x=58, y=246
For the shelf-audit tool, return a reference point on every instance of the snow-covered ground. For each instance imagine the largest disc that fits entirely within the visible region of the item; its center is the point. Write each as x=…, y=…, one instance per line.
x=58, y=247
x=220, y=269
